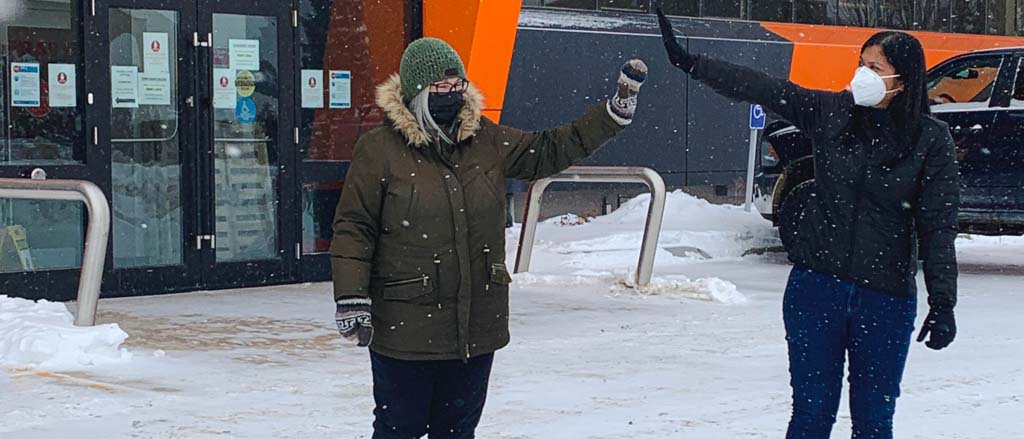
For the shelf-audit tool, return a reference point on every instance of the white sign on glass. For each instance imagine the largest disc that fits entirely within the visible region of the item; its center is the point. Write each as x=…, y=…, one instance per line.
x=244, y=54
x=25, y=84
x=224, y=96
x=341, y=89
x=156, y=52
x=62, y=83
x=124, y=86
x=155, y=88
x=312, y=88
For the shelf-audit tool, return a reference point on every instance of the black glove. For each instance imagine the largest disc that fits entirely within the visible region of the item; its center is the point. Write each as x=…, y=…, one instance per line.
x=353, y=318
x=942, y=326
x=676, y=54
x=622, y=106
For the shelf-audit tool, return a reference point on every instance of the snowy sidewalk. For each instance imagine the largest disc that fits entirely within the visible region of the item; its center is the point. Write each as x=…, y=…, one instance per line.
x=266, y=363
x=588, y=359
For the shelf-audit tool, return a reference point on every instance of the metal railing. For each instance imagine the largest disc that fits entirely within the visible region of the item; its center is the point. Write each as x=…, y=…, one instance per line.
x=599, y=174
x=96, y=233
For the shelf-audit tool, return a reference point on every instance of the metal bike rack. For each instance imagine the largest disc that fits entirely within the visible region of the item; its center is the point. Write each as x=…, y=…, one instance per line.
x=97, y=230
x=599, y=174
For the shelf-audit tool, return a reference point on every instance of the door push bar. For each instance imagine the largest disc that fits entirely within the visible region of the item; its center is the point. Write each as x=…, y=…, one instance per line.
x=96, y=234
x=599, y=174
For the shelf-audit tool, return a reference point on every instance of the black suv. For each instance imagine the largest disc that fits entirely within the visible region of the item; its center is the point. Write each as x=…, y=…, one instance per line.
x=981, y=96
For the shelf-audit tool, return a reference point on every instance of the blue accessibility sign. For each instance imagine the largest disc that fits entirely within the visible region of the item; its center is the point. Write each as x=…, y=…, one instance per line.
x=757, y=117
x=245, y=110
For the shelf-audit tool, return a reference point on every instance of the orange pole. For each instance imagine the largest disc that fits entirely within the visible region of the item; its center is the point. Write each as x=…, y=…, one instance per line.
x=483, y=32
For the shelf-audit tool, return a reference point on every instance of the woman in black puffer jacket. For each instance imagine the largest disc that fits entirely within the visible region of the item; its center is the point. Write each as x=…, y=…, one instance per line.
x=886, y=185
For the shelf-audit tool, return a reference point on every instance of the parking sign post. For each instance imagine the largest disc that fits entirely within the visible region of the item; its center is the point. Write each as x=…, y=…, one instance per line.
x=757, y=119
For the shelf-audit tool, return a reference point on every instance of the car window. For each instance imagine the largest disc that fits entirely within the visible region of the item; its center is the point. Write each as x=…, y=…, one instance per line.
x=1017, y=99
x=965, y=84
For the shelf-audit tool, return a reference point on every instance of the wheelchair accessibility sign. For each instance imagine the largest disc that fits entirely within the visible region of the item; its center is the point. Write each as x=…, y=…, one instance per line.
x=757, y=117
x=245, y=110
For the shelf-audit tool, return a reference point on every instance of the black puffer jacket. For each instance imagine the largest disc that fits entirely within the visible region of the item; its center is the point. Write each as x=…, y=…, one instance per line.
x=878, y=194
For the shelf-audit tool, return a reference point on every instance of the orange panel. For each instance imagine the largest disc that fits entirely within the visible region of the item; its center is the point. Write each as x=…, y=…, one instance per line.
x=484, y=34
x=825, y=57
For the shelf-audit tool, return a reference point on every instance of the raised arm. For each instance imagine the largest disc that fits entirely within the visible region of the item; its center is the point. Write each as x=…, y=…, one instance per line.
x=805, y=108
x=536, y=155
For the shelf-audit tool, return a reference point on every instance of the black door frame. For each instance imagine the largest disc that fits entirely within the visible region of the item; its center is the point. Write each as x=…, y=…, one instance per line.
x=62, y=284
x=265, y=272
x=186, y=276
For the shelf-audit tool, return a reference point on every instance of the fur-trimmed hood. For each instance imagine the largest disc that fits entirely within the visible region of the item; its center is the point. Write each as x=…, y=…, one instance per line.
x=389, y=99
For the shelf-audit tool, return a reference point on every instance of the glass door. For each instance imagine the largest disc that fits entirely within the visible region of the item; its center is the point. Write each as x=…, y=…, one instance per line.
x=151, y=98
x=246, y=142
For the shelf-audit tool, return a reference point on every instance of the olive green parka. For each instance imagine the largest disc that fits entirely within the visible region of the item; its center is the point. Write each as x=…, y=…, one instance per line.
x=423, y=236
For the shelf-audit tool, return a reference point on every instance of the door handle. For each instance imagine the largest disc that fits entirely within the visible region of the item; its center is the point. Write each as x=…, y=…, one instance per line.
x=201, y=238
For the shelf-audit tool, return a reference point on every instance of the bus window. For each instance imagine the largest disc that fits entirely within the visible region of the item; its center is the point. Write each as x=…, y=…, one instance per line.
x=722, y=9
x=623, y=5
x=682, y=8
x=965, y=84
x=570, y=4
x=1017, y=99
x=813, y=12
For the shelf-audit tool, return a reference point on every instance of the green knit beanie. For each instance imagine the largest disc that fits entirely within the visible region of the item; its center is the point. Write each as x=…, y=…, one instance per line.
x=426, y=61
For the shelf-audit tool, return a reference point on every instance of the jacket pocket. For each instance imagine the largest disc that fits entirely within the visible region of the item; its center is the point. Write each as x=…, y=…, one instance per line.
x=406, y=290
x=499, y=275
x=399, y=204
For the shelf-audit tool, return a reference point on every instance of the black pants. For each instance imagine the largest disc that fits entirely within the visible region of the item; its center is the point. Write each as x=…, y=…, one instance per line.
x=442, y=398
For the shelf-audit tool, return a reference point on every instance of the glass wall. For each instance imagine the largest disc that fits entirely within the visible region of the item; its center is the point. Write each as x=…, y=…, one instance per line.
x=993, y=17
x=42, y=122
x=356, y=38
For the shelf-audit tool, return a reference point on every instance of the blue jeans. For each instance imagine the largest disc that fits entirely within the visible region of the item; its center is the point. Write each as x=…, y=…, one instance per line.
x=444, y=398
x=828, y=319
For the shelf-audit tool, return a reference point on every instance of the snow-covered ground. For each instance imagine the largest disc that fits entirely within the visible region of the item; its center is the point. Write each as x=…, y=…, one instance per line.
x=700, y=354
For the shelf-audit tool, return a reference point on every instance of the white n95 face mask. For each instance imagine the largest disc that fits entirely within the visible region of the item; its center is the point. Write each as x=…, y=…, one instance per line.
x=868, y=87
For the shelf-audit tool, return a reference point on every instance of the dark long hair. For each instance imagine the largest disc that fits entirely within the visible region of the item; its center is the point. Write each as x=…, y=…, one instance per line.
x=905, y=54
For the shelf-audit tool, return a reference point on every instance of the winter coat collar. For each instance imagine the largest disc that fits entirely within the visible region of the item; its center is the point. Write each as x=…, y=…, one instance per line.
x=389, y=99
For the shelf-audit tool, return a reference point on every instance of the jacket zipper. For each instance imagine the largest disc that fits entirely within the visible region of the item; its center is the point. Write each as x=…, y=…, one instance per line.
x=856, y=219
x=487, y=260
x=425, y=279
x=449, y=168
x=437, y=278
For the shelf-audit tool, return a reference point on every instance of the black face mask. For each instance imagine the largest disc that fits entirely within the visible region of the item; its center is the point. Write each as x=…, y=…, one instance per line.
x=444, y=108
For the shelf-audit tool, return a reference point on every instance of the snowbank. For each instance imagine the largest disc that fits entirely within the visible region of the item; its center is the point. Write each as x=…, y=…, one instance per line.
x=42, y=335
x=712, y=230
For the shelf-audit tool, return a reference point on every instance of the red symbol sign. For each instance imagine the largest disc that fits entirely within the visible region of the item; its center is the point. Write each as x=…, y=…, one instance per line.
x=17, y=69
x=155, y=45
x=312, y=82
x=62, y=78
x=224, y=81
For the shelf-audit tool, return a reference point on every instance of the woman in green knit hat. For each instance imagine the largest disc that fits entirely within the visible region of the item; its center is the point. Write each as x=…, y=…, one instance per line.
x=418, y=256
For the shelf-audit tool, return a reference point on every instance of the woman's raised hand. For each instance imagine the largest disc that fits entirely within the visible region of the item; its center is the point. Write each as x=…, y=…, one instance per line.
x=678, y=56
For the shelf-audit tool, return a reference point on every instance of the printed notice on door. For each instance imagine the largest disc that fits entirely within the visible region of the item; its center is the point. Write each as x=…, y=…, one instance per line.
x=124, y=86
x=25, y=84
x=155, y=88
x=62, y=85
x=224, y=89
x=244, y=54
x=156, y=55
x=312, y=88
x=341, y=89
